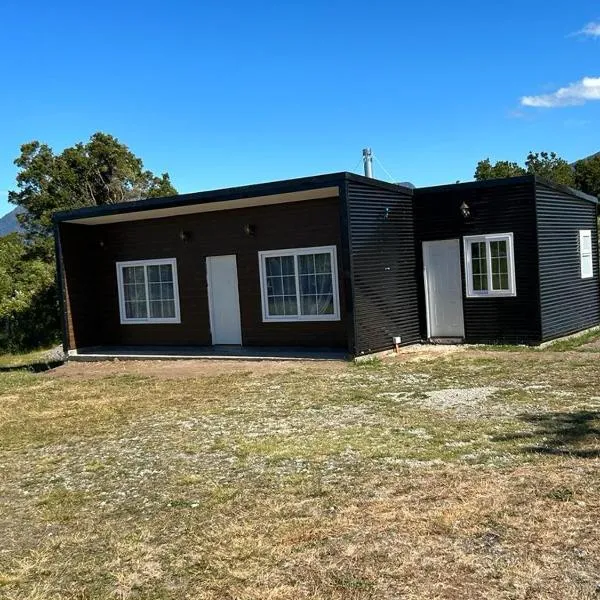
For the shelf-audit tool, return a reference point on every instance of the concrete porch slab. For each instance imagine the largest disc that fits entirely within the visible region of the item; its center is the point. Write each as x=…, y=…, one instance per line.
x=100, y=353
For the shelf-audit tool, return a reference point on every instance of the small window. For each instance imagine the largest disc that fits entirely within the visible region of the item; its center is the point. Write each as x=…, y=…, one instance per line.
x=585, y=253
x=490, y=265
x=148, y=291
x=299, y=284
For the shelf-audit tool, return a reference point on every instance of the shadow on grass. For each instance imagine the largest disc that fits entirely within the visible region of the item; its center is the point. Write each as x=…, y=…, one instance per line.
x=574, y=433
x=35, y=367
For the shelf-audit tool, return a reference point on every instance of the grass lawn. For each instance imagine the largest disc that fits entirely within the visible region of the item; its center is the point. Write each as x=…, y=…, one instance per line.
x=19, y=360
x=469, y=475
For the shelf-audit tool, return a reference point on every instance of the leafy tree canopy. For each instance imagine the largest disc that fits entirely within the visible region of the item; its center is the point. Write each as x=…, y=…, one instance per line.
x=501, y=169
x=584, y=175
x=545, y=164
x=587, y=175
x=550, y=166
x=101, y=171
x=28, y=314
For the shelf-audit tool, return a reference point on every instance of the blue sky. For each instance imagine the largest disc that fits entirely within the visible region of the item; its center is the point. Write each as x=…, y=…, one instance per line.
x=228, y=93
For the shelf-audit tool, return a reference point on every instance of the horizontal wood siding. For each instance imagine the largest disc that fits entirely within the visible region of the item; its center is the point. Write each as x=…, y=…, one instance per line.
x=494, y=209
x=91, y=253
x=384, y=284
x=569, y=303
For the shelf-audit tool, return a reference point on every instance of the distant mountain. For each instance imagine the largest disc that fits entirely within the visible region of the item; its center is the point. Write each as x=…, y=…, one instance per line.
x=585, y=158
x=9, y=223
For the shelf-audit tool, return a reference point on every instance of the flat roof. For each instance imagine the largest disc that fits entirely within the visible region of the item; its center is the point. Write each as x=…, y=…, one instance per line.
x=275, y=192
x=523, y=179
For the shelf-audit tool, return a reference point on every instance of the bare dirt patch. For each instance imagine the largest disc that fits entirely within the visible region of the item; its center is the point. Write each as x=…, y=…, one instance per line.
x=177, y=369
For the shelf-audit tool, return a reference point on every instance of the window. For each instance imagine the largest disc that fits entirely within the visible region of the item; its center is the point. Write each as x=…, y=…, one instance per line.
x=148, y=291
x=585, y=253
x=490, y=265
x=299, y=284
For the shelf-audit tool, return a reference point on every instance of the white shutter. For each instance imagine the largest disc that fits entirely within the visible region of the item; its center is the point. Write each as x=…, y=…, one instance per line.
x=585, y=253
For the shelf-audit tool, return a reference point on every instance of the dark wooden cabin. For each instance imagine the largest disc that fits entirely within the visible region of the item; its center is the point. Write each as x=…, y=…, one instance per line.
x=335, y=261
x=506, y=261
x=321, y=262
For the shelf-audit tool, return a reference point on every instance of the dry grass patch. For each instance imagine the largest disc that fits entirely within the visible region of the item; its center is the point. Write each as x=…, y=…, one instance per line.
x=466, y=475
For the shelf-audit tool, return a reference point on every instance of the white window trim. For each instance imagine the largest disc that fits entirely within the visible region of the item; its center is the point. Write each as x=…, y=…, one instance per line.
x=297, y=252
x=586, y=258
x=148, y=320
x=472, y=293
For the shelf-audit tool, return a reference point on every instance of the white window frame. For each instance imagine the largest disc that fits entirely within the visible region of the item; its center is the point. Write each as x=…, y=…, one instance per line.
x=495, y=237
x=295, y=252
x=148, y=320
x=586, y=255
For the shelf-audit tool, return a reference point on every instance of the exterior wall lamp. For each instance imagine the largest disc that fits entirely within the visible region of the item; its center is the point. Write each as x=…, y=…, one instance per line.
x=465, y=210
x=185, y=236
x=250, y=230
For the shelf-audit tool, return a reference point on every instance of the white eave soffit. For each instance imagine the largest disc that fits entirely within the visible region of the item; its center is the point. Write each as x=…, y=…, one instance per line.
x=174, y=211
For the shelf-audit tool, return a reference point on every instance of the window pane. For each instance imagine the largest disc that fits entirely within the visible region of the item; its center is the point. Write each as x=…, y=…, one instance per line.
x=291, y=305
x=274, y=286
x=276, y=307
x=480, y=282
x=325, y=303
x=136, y=310
x=156, y=309
x=134, y=292
x=153, y=272
x=169, y=309
x=499, y=260
x=309, y=305
x=273, y=264
x=308, y=285
x=166, y=272
x=324, y=284
x=323, y=263
x=133, y=274
x=306, y=264
x=154, y=291
x=167, y=291
x=281, y=286
x=498, y=248
x=287, y=265
x=289, y=286
x=479, y=266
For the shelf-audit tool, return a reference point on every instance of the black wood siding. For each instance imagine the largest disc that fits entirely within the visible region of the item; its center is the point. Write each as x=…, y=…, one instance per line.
x=91, y=284
x=382, y=256
x=500, y=208
x=568, y=302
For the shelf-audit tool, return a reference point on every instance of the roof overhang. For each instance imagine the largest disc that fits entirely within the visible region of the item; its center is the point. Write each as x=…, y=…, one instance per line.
x=188, y=209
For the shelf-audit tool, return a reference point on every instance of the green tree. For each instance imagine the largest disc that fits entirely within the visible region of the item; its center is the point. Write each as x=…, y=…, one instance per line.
x=550, y=166
x=28, y=314
x=545, y=164
x=499, y=170
x=101, y=171
x=587, y=175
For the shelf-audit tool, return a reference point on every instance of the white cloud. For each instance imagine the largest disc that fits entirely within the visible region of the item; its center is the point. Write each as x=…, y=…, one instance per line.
x=573, y=94
x=592, y=29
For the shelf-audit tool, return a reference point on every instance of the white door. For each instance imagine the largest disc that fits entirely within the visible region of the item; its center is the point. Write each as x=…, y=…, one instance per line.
x=443, y=289
x=223, y=299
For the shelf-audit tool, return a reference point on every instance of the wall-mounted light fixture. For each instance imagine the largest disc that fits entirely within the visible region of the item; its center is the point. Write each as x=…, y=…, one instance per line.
x=101, y=243
x=185, y=236
x=250, y=229
x=465, y=210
